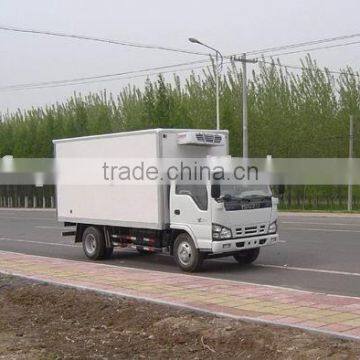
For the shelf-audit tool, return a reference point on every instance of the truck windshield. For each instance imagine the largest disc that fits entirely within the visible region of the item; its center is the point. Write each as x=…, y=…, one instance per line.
x=240, y=192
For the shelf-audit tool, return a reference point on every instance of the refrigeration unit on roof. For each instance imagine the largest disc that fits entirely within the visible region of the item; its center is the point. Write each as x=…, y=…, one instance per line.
x=201, y=138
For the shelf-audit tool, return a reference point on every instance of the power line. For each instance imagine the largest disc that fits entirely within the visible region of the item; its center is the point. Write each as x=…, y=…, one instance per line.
x=302, y=44
x=98, y=39
x=108, y=79
x=314, y=49
x=111, y=77
x=144, y=75
x=157, y=47
x=95, y=78
x=306, y=68
x=137, y=74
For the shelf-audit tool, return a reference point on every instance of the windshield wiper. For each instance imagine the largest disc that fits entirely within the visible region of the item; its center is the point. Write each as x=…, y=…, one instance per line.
x=226, y=197
x=255, y=197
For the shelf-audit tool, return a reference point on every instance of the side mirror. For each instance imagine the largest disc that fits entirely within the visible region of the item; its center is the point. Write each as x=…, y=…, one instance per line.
x=215, y=191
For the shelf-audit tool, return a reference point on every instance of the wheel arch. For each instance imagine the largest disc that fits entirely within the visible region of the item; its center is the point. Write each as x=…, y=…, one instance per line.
x=80, y=228
x=176, y=230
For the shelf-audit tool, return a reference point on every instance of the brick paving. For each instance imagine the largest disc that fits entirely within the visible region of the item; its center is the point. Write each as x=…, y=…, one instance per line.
x=338, y=315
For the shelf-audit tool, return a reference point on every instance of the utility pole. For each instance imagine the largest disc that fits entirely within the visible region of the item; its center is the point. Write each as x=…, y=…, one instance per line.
x=351, y=148
x=244, y=61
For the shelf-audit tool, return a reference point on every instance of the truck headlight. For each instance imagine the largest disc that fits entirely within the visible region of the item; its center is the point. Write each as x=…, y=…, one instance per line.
x=273, y=228
x=220, y=232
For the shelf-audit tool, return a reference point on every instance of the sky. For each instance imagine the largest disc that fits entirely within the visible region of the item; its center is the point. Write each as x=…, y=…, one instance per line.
x=232, y=26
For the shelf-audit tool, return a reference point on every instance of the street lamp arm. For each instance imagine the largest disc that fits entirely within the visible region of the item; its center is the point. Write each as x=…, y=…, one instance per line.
x=196, y=41
x=217, y=52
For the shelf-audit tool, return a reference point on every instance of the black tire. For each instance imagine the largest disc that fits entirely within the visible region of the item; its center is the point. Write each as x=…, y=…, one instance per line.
x=187, y=256
x=94, y=243
x=246, y=257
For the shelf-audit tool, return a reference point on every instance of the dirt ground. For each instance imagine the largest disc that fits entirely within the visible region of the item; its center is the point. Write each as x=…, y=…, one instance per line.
x=40, y=321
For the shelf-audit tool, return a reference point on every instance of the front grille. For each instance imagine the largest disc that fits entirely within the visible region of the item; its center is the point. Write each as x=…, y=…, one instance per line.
x=200, y=137
x=250, y=230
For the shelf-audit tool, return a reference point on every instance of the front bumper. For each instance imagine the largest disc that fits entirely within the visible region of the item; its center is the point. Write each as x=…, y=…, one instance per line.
x=233, y=245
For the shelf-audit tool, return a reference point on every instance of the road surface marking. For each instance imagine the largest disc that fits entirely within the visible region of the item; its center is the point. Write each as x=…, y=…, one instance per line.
x=328, y=230
x=27, y=218
x=35, y=242
x=51, y=227
x=334, y=272
x=12, y=209
x=319, y=214
x=317, y=223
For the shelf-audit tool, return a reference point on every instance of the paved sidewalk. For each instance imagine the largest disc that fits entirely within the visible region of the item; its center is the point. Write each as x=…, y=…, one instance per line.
x=332, y=314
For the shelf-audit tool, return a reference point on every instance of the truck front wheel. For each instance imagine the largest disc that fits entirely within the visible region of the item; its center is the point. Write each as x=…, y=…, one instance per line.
x=247, y=256
x=187, y=256
x=94, y=243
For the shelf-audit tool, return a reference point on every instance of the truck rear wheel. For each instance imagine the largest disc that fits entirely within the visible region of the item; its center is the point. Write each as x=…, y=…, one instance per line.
x=247, y=256
x=94, y=243
x=187, y=256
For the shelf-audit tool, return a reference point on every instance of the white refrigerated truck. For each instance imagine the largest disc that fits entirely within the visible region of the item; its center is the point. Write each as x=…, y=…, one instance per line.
x=190, y=222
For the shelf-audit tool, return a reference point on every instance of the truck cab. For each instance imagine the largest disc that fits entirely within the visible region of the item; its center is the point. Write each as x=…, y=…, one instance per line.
x=222, y=220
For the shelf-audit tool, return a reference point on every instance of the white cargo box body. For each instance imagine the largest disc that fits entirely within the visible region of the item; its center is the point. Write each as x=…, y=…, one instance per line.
x=137, y=206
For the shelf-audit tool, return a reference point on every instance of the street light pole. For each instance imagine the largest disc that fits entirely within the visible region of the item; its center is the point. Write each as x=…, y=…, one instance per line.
x=245, y=110
x=217, y=75
x=351, y=147
x=217, y=93
x=244, y=61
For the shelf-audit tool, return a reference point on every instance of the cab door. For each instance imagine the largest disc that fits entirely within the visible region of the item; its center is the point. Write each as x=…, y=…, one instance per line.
x=190, y=210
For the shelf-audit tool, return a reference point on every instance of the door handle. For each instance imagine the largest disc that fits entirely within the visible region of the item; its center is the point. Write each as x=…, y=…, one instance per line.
x=177, y=212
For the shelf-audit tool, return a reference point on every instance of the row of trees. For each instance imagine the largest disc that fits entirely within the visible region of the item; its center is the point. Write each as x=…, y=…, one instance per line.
x=291, y=114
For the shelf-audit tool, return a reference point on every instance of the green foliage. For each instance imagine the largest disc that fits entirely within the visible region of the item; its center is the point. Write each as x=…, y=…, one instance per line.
x=290, y=115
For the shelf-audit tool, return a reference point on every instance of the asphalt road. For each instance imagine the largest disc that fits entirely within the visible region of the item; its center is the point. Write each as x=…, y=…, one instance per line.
x=316, y=253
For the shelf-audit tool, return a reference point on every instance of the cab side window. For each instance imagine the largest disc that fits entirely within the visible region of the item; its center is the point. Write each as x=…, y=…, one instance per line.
x=197, y=192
